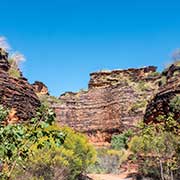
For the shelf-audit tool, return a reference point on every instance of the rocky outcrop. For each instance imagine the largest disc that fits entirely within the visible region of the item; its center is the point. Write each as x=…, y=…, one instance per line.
x=4, y=65
x=115, y=101
x=16, y=93
x=169, y=88
x=106, y=78
x=40, y=88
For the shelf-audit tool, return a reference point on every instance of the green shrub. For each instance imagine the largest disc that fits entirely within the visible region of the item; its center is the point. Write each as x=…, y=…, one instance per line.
x=142, y=86
x=175, y=103
x=138, y=105
x=154, y=74
x=13, y=72
x=41, y=149
x=49, y=100
x=66, y=162
x=157, y=150
x=83, y=153
x=120, y=141
x=44, y=163
x=16, y=140
x=108, y=161
x=163, y=80
x=176, y=73
x=3, y=113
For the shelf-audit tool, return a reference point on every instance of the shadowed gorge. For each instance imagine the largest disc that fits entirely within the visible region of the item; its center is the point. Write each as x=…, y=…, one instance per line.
x=90, y=90
x=108, y=113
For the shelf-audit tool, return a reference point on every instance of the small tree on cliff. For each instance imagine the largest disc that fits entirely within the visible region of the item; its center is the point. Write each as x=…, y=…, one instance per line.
x=15, y=61
x=16, y=58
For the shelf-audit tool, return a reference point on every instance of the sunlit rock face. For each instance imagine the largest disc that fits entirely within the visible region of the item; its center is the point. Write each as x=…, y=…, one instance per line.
x=16, y=93
x=169, y=87
x=40, y=88
x=115, y=101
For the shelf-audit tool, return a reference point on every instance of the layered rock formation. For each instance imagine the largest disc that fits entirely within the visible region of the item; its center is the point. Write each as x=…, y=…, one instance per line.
x=16, y=93
x=115, y=101
x=169, y=88
x=40, y=88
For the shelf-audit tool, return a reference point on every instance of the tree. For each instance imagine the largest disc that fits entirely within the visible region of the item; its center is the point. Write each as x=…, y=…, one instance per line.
x=158, y=146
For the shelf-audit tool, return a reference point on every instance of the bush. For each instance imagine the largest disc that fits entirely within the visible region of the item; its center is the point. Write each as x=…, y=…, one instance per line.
x=14, y=73
x=154, y=74
x=42, y=150
x=175, y=103
x=83, y=153
x=143, y=86
x=13, y=70
x=14, y=61
x=63, y=162
x=16, y=140
x=163, y=81
x=139, y=105
x=120, y=141
x=157, y=150
x=43, y=163
x=3, y=113
x=108, y=161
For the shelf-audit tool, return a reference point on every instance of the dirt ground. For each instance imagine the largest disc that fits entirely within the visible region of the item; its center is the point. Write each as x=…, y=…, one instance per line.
x=122, y=176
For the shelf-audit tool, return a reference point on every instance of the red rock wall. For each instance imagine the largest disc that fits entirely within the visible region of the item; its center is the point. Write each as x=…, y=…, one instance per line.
x=106, y=107
x=169, y=88
x=16, y=93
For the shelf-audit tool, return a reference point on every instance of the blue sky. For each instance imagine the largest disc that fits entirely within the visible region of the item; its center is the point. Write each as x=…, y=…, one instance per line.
x=63, y=41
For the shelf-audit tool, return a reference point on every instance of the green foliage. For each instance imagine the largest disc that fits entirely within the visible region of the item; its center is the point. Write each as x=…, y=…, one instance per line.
x=120, y=141
x=44, y=163
x=77, y=151
x=175, y=103
x=168, y=123
x=65, y=162
x=42, y=150
x=16, y=140
x=108, y=161
x=154, y=74
x=142, y=86
x=3, y=113
x=49, y=100
x=158, y=145
x=163, y=80
x=138, y=105
x=14, y=73
x=13, y=70
x=176, y=73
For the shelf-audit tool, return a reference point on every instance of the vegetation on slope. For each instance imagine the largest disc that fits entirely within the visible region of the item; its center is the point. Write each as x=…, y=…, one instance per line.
x=41, y=149
x=156, y=147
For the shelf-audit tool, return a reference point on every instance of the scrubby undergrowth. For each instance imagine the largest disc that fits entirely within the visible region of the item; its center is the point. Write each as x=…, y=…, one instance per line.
x=41, y=149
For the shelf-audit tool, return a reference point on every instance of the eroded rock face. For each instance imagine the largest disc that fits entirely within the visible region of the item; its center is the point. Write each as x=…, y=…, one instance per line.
x=16, y=93
x=115, y=101
x=40, y=88
x=4, y=65
x=169, y=88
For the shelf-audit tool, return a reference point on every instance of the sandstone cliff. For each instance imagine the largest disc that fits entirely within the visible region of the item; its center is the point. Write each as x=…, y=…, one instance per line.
x=16, y=93
x=40, y=88
x=169, y=88
x=114, y=101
